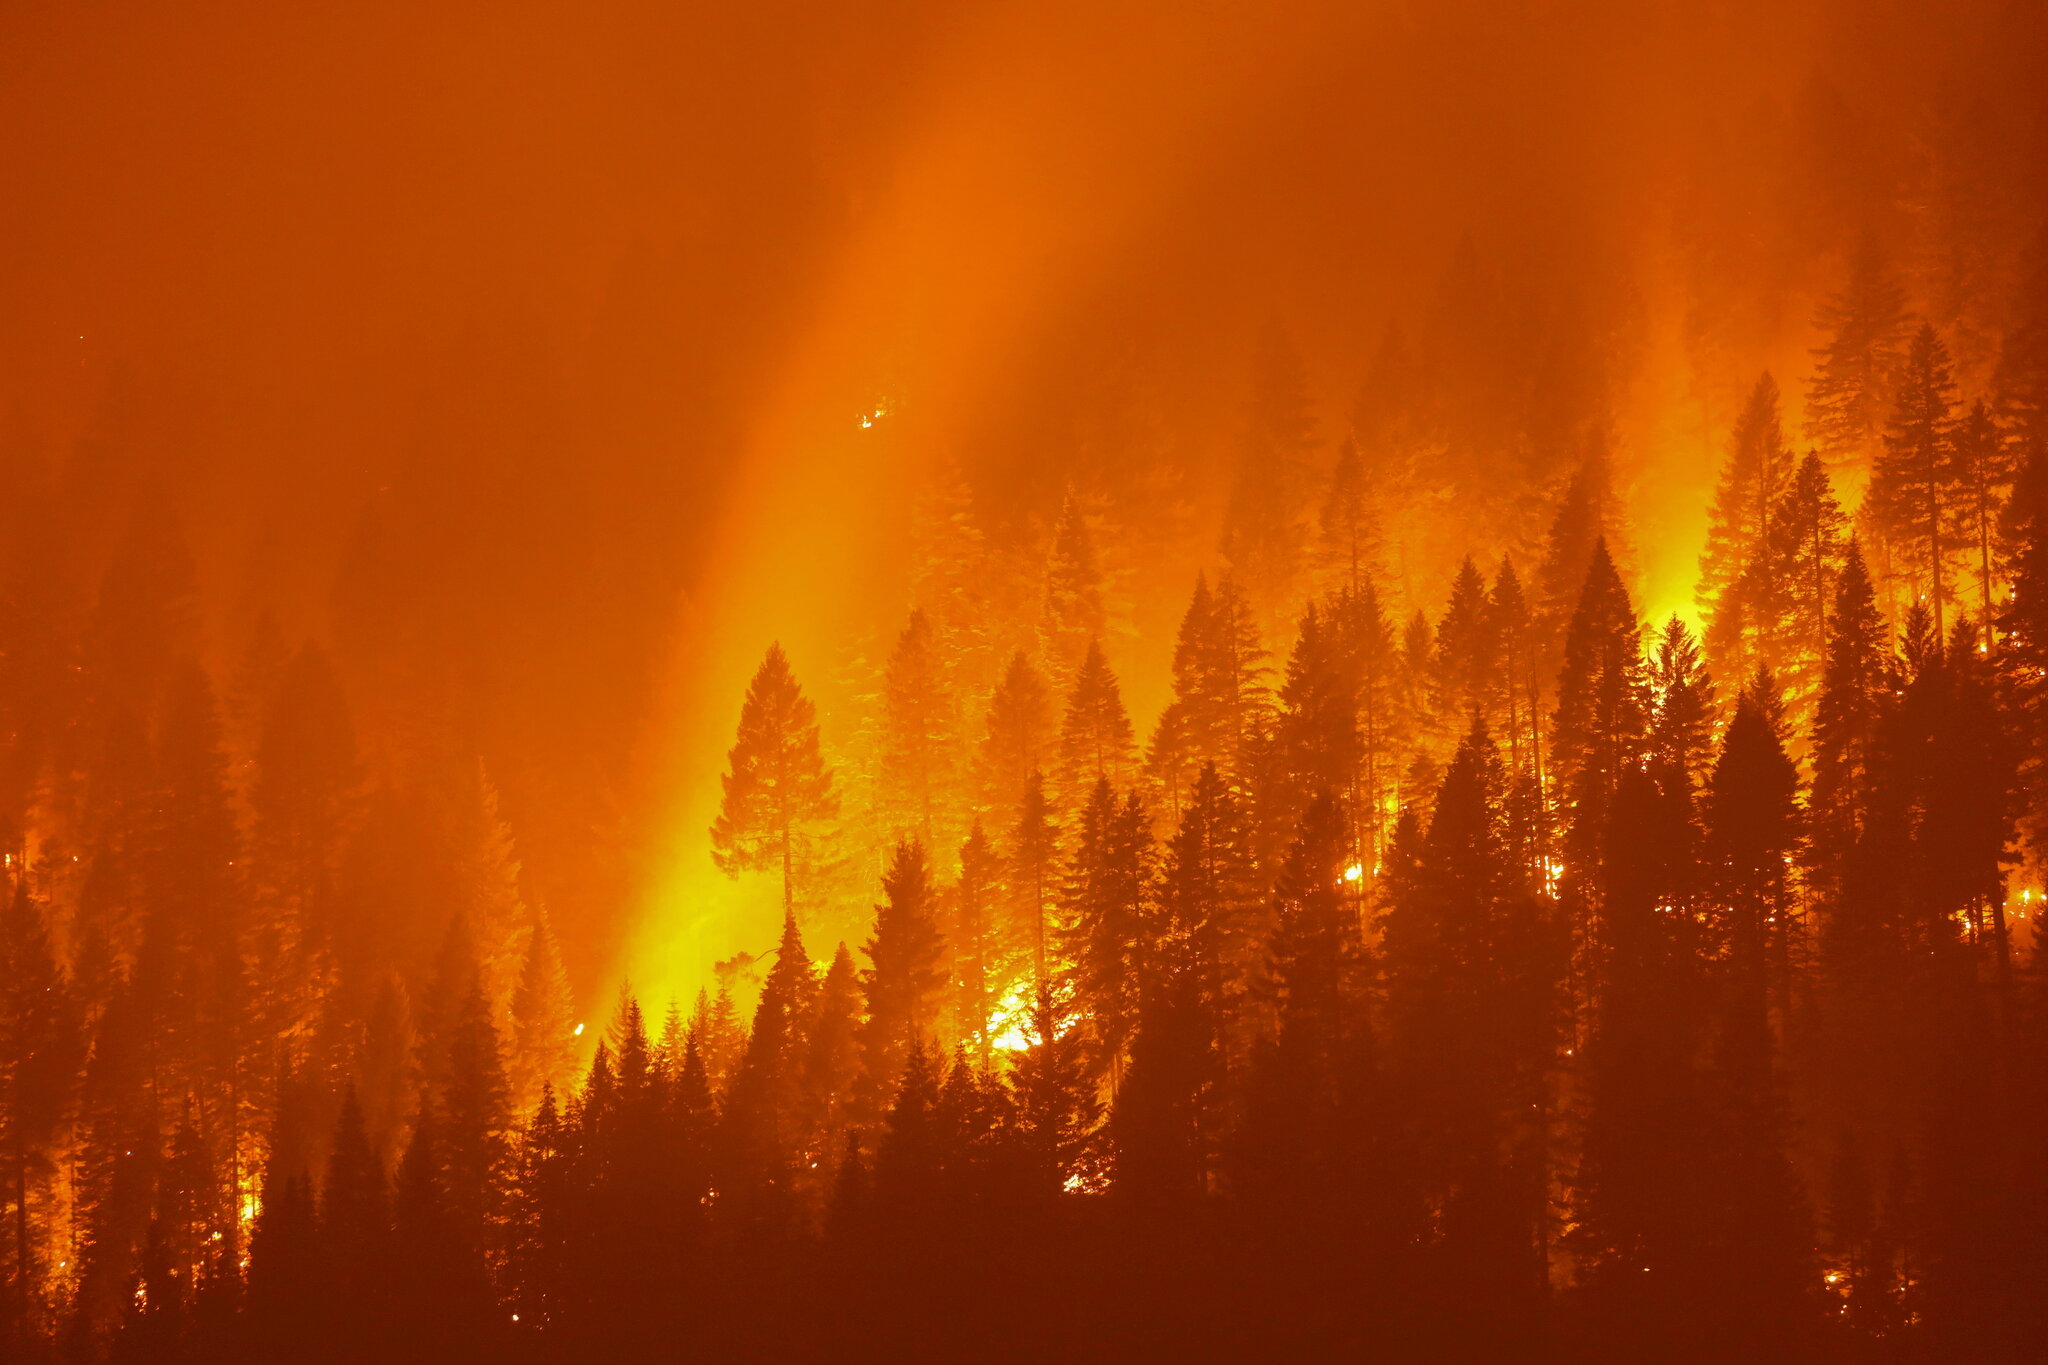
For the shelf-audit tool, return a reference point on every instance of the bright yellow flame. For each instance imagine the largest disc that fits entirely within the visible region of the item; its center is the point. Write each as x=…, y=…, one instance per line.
x=1354, y=873
x=1009, y=1023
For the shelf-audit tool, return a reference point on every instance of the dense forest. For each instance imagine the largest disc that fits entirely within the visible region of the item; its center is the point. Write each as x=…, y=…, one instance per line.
x=1508, y=975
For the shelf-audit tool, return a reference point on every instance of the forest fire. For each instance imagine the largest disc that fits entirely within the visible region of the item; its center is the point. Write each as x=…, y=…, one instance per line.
x=1292, y=681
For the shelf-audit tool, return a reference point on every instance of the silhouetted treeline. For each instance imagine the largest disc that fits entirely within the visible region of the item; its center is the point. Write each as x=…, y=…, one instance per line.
x=1508, y=978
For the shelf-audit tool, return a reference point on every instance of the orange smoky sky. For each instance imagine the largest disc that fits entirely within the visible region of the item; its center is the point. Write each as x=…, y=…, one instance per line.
x=517, y=352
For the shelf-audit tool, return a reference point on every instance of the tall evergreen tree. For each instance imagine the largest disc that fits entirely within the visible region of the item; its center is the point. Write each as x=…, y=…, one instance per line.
x=542, y=1052
x=1104, y=904
x=1468, y=649
x=353, y=1228
x=1020, y=735
x=1210, y=889
x=1599, y=730
x=1856, y=692
x=1913, y=498
x=764, y=1108
x=920, y=741
x=982, y=960
x=1760, y=1226
x=1851, y=390
x=1347, y=532
x=1096, y=741
x=1583, y=527
x=1371, y=660
x=1806, y=550
x=1469, y=972
x=777, y=789
x=1985, y=470
x=1752, y=831
x=1074, y=616
x=41, y=1048
x=1316, y=735
x=831, y=1062
x=1682, y=704
x=2024, y=653
x=1033, y=877
x=1639, y=1220
x=905, y=983
x=471, y=1126
x=1756, y=474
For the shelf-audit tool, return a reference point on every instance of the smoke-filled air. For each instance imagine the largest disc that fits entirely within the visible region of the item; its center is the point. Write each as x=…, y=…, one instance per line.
x=762, y=680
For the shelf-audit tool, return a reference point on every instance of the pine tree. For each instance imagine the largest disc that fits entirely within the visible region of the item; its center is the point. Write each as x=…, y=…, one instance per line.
x=777, y=787
x=353, y=1226
x=1210, y=891
x=911, y=1151
x=1020, y=735
x=950, y=576
x=1392, y=423
x=1856, y=692
x=1602, y=715
x=284, y=1264
x=1469, y=972
x=1468, y=649
x=1760, y=1225
x=1682, y=704
x=905, y=983
x=920, y=740
x=543, y=1021
x=831, y=1060
x=1851, y=390
x=191, y=964
x=1096, y=742
x=1913, y=498
x=1316, y=735
x=1639, y=1222
x=437, y=1276
x=1074, y=617
x=537, y=1239
x=488, y=867
x=982, y=961
x=1187, y=961
x=1806, y=550
x=1372, y=662
x=41, y=1050
x=1754, y=477
x=1348, y=533
x=1318, y=949
x=2023, y=655
x=763, y=1109
x=1182, y=739
x=471, y=1125
x=1752, y=821
x=1985, y=471
x=2020, y=382
x=716, y=1033
x=1033, y=875
x=1103, y=905
x=1059, y=1112
x=1220, y=678
x=1581, y=528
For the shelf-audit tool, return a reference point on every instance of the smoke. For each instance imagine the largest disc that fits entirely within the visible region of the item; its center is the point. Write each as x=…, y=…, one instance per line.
x=578, y=310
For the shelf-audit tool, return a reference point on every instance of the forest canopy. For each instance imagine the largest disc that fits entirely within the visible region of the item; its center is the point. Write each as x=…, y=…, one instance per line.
x=1314, y=682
